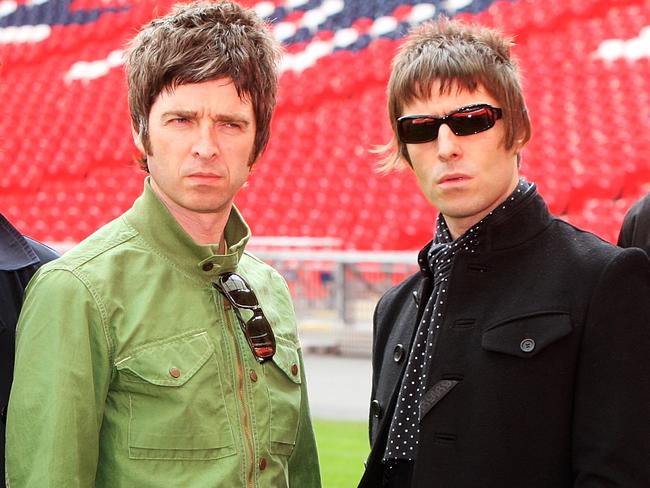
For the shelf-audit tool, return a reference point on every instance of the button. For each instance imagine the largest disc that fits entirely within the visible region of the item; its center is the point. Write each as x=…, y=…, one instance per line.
x=375, y=408
x=294, y=369
x=208, y=266
x=527, y=345
x=253, y=376
x=174, y=372
x=262, y=464
x=398, y=353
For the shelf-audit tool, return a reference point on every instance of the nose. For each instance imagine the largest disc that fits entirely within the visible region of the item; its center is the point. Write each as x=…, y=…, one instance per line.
x=206, y=145
x=448, y=147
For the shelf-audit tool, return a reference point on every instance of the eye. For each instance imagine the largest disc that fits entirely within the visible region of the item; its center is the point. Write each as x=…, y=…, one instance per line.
x=233, y=125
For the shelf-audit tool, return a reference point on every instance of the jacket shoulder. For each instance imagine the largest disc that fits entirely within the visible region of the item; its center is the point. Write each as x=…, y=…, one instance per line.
x=101, y=243
x=581, y=243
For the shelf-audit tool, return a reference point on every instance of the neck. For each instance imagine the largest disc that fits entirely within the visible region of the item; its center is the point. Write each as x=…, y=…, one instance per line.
x=457, y=227
x=204, y=228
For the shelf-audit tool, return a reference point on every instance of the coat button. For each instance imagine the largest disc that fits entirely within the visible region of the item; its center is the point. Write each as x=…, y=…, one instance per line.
x=262, y=464
x=294, y=369
x=527, y=345
x=253, y=376
x=398, y=353
x=208, y=266
x=174, y=372
x=375, y=409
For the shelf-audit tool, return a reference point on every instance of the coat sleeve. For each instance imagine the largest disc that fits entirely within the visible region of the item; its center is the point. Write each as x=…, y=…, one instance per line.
x=612, y=393
x=304, y=469
x=60, y=384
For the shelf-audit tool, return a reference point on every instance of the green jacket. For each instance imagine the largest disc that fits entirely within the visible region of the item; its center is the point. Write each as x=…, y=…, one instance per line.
x=94, y=400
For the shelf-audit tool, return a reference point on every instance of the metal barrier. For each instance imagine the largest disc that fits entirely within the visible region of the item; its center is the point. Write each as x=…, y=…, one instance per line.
x=335, y=293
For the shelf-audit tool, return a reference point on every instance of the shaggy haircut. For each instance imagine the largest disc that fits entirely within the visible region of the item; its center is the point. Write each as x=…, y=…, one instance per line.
x=461, y=57
x=203, y=41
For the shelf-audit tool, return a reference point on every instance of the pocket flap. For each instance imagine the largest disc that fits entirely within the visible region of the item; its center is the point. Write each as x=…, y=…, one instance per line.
x=527, y=336
x=169, y=363
x=286, y=358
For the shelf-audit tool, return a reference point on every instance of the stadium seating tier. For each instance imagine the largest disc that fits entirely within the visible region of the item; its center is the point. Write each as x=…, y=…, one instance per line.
x=68, y=158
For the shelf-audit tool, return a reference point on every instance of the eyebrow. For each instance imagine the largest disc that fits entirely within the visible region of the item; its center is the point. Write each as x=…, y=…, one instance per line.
x=187, y=114
x=191, y=114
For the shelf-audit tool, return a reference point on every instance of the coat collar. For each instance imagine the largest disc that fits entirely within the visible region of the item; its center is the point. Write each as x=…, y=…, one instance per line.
x=528, y=218
x=15, y=251
x=156, y=225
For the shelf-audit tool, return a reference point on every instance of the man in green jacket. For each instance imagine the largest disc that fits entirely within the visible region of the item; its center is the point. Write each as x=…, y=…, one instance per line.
x=158, y=352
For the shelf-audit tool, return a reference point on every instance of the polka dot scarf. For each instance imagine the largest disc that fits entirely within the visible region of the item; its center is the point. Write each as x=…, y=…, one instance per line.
x=403, y=435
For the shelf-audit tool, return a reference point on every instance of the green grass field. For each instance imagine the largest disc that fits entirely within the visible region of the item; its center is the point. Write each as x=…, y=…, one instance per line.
x=342, y=447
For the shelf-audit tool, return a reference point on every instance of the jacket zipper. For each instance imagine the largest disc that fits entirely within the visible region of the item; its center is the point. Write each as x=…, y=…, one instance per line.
x=240, y=390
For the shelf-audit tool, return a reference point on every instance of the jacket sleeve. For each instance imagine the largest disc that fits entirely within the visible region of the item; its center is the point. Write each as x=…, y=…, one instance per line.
x=61, y=379
x=612, y=393
x=304, y=470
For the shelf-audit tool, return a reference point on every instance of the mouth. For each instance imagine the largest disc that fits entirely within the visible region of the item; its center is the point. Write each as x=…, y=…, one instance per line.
x=453, y=179
x=204, y=176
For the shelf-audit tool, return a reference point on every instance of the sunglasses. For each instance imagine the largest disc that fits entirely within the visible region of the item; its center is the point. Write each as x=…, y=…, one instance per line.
x=472, y=119
x=257, y=328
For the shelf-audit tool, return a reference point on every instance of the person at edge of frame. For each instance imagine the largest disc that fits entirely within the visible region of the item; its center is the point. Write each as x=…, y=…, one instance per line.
x=517, y=356
x=20, y=258
x=158, y=352
x=635, y=230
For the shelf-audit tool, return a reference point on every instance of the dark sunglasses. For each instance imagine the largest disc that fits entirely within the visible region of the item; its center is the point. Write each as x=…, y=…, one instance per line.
x=257, y=329
x=417, y=129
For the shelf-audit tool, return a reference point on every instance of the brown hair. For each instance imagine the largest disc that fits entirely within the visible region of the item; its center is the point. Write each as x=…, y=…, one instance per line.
x=458, y=56
x=203, y=41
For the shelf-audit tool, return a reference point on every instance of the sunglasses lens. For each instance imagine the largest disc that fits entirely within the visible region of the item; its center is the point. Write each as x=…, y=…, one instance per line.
x=472, y=122
x=417, y=130
x=260, y=335
x=238, y=291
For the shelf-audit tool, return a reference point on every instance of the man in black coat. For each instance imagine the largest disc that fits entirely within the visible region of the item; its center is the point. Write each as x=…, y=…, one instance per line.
x=20, y=257
x=519, y=355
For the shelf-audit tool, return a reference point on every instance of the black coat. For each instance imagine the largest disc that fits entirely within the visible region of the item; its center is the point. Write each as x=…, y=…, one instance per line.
x=541, y=370
x=20, y=257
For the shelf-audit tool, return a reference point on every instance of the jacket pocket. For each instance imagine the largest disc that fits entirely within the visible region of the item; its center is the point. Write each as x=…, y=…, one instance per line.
x=528, y=335
x=176, y=402
x=284, y=382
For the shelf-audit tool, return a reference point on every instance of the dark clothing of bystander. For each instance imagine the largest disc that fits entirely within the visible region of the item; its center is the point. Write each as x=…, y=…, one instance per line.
x=635, y=231
x=20, y=257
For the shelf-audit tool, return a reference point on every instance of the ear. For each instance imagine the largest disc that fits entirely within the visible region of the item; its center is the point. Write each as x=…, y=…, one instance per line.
x=137, y=140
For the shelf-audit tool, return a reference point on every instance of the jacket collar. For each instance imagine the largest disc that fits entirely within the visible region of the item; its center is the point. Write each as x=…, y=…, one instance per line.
x=15, y=251
x=156, y=225
x=529, y=218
